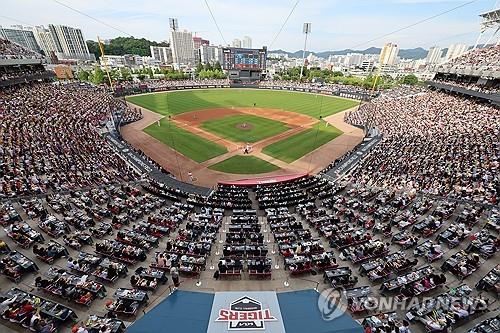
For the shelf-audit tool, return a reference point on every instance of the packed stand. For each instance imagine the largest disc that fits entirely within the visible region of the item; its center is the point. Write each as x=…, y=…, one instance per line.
x=323, y=87
x=433, y=143
x=9, y=50
x=35, y=160
x=473, y=86
x=487, y=58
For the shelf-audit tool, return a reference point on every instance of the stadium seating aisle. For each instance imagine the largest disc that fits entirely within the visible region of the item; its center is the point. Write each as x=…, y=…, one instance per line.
x=147, y=218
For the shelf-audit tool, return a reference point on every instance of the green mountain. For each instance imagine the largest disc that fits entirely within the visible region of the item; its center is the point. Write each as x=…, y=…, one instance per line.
x=416, y=53
x=124, y=45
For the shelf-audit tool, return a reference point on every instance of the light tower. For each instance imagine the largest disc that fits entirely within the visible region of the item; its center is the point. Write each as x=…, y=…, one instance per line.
x=489, y=21
x=173, y=23
x=306, y=30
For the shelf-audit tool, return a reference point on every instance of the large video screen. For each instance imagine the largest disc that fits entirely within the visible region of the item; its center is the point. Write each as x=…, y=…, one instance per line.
x=246, y=60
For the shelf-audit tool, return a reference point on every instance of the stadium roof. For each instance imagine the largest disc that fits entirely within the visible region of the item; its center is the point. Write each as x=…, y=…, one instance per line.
x=490, y=19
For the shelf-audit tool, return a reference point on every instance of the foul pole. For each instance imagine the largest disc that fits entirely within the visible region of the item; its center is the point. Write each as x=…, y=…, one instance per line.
x=101, y=48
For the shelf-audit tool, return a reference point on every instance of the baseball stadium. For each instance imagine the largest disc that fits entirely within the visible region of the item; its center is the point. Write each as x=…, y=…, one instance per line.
x=214, y=187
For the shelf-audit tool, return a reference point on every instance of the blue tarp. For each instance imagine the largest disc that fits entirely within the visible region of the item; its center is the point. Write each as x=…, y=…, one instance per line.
x=300, y=313
x=183, y=311
x=189, y=312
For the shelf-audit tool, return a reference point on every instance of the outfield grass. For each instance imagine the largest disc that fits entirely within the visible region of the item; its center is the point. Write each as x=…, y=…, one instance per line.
x=176, y=102
x=188, y=144
x=298, y=145
x=258, y=128
x=240, y=164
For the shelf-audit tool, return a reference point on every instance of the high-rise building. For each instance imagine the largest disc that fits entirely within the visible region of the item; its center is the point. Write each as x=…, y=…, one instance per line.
x=367, y=65
x=434, y=55
x=162, y=54
x=182, y=46
x=211, y=54
x=237, y=43
x=198, y=42
x=65, y=42
x=20, y=35
x=70, y=42
x=388, y=54
x=45, y=40
x=353, y=59
x=247, y=42
x=456, y=50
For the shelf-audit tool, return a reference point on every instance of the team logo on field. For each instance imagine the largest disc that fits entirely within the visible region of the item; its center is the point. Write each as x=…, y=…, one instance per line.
x=245, y=313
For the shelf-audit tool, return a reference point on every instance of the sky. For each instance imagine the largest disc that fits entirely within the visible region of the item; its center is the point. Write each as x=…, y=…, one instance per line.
x=336, y=24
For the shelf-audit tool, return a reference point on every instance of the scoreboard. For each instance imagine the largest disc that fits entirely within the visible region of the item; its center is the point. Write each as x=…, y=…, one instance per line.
x=244, y=59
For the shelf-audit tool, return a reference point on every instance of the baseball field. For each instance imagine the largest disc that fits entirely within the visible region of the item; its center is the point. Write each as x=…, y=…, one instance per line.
x=242, y=164
x=205, y=125
x=177, y=102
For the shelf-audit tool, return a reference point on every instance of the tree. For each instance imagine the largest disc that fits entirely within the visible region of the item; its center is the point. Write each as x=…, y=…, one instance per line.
x=150, y=72
x=208, y=66
x=83, y=75
x=97, y=76
x=124, y=45
x=217, y=66
x=125, y=74
x=199, y=67
x=114, y=74
x=219, y=74
x=94, y=48
x=410, y=79
x=141, y=77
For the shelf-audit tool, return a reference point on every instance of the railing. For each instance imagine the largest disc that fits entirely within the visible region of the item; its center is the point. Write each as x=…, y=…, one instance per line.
x=464, y=91
x=27, y=78
x=286, y=284
x=482, y=71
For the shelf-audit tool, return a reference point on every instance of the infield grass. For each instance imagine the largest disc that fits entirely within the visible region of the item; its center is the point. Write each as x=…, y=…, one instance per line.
x=188, y=144
x=243, y=164
x=300, y=144
x=232, y=128
x=176, y=102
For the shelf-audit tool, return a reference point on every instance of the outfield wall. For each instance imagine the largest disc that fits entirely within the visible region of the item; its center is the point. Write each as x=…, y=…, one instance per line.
x=340, y=93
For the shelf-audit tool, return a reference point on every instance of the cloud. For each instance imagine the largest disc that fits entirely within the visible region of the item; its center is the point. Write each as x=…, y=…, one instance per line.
x=336, y=24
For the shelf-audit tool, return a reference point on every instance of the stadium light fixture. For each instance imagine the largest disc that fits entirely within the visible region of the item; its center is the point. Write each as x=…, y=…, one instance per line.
x=306, y=30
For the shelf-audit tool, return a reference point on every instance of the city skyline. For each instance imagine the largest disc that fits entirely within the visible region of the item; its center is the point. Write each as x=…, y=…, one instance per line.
x=336, y=25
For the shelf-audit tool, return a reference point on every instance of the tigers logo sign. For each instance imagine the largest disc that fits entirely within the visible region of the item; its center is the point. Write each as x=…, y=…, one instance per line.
x=245, y=314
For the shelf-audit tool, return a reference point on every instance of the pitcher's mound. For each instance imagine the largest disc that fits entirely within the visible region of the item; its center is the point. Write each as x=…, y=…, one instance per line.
x=244, y=126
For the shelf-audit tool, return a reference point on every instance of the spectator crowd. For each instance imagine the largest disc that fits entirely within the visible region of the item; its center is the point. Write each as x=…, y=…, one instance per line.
x=9, y=50
x=433, y=142
x=49, y=139
x=487, y=58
